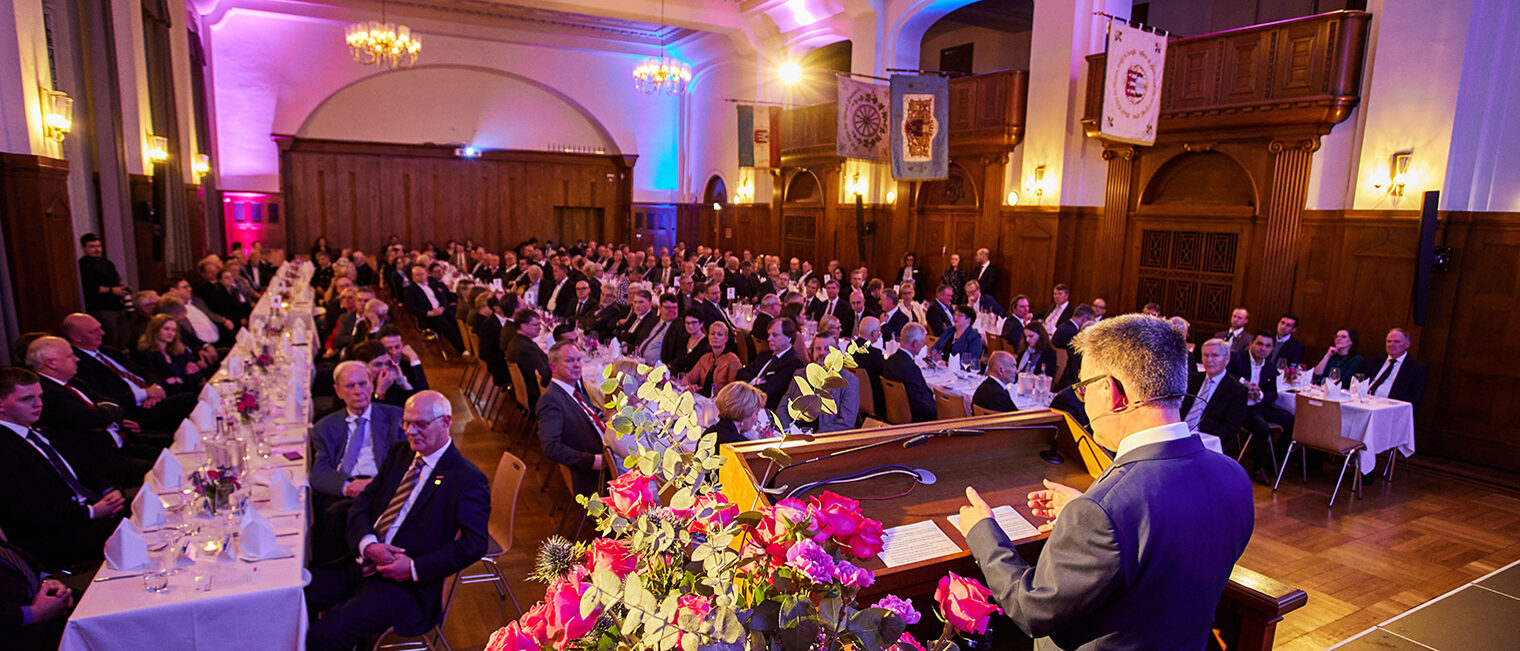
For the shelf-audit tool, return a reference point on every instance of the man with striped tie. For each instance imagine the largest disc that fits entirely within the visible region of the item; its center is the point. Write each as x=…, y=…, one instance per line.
x=422, y=519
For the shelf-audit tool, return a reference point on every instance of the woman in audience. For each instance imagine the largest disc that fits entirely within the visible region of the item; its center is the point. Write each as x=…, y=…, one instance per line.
x=467, y=311
x=741, y=413
x=161, y=352
x=1341, y=357
x=696, y=346
x=1036, y=355
x=829, y=326
x=907, y=274
x=955, y=277
x=324, y=273
x=320, y=246
x=716, y=368
x=205, y=351
x=911, y=305
x=963, y=340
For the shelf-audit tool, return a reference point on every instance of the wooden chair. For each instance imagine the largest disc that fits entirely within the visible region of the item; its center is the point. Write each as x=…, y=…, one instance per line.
x=898, y=411
x=1060, y=366
x=948, y=405
x=1317, y=424
x=993, y=343
x=744, y=346
x=872, y=423
x=505, y=487
x=867, y=395
x=978, y=410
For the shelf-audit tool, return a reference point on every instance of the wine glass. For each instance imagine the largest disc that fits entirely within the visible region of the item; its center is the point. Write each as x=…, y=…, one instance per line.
x=1333, y=376
x=1360, y=382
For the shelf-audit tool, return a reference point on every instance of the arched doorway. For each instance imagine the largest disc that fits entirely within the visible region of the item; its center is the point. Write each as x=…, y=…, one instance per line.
x=801, y=209
x=717, y=219
x=947, y=213
x=980, y=37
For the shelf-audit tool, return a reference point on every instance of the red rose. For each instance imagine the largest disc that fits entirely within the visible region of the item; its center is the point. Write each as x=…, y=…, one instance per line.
x=511, y=638
x=837, y=516
x=535, y=623
x=693, y=605
x=614, y=556
x=867, y=540
x=965, y=603
x=633, y=493
x=723, y=513
x=566, y=625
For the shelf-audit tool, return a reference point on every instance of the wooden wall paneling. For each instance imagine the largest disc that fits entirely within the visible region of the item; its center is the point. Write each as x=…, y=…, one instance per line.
x=195, y=212
x=1027, y=253
x=147, y=232
x=1116, y=206
x=39, y=236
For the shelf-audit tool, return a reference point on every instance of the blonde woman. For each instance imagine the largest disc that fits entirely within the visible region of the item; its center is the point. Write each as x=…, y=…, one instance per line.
x=716, y=368
x=741, y=413
x=160, y=350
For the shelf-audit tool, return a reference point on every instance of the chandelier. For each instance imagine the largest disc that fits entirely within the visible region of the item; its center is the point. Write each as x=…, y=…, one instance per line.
x=662, y=74
x=382, y=43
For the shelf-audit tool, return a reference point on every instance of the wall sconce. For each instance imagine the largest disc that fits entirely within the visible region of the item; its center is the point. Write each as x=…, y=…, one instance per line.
x=57, y=114
x=1039, y=182
x=891, y=196
x=855, y=188
x=1398, y=174
x=745, y=193
x=718, y=206
x=1012, y=199
x=158, y=149
x=202, y=165
x=790, y=73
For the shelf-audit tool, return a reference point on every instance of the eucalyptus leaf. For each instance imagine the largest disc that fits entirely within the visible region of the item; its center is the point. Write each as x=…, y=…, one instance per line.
x=778, y=455
x=835, y=383
x=816, y=375
x=803, y=386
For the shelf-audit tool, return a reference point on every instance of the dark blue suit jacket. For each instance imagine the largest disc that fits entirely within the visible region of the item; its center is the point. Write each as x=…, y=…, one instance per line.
x=444, y=532
x=329, y=443
x=1240, y=367
x=1138, y=562
x=901, y=368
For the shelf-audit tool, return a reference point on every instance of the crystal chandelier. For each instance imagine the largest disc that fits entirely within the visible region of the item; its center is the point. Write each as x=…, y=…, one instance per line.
x=661, y=74
x=382, y=43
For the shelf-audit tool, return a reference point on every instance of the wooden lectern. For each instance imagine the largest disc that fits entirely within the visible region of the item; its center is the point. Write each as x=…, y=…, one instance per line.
x=1003, y=463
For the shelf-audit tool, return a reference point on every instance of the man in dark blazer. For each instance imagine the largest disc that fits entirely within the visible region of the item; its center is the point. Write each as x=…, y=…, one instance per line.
x=1237, y=336
x=1140, y=560
x=1286, y=346
x=109, y=374
x=1220, y=404
x=603, y=323
x=871, y=360
x=488, y=332
x=985, y=273
x=900, y=367
x=34, y=606
x=1254, y=370
x=769, y=309
x=1397, y=375
x=639, y=321
x=1060, y=311
x=569, y=425
x=940, y=312
x=771, y=372
x=54, y=508
x=85, y=427
x=995, y=392
x=583, y=307
x=525, y=353
x=981, y=301
x=390, y=383
x=420, y=521
x=424, y=301
x=348, y=449
x=893, y=318
x=1081, y=317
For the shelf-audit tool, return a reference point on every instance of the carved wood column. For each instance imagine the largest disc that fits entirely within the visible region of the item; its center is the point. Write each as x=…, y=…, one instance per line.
x=1285, y=208
x=39, y=239
x=1116, y=201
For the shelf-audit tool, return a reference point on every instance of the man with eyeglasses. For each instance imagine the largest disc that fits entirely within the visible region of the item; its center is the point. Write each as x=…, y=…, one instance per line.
x=1140, y=560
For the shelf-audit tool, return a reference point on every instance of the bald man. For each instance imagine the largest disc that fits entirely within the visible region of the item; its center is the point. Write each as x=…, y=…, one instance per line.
x=997, y=391
x=112, y=376
x=84, y=425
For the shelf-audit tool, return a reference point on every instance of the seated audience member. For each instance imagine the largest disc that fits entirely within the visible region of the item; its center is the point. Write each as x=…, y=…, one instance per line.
x=164, y=356
x=846, y=398
x=1237, y=336
x=386, y=376
x=83, y=426
x=1100, y=308
x=1285, y=346
x=54, y=509
x=1060, y=311
x=939, y=314
x=110, y=375
x=413, y=377
x=829, y=326
x=962, y=339
x=33, y=605
x=772, y=372
x=691, y=350
x=980, y=302
x=662, y=341
x=635, y=326
x=570, y=427
x=1342, y=358
x=344, y=325
x=488, y=332
x=1397, y=375
x=1151, y=309
x=893, y=317
x=348, y=449
x=718, y=365
x=996, y=392
x=1066, y=401
x=1260, y=378
x=603, y=324
x=421, y=520
x=1081, y=317
x=425, y=299
x=741, y=414
x=900, y=367
x=223, y=297
x=583, y=308
x=205, y=352
x=1019, y=317
x=1216, y=402
x=144, y=306
x=1036, y=354
x=467, y=310
x=209, y=327
x=523, y=351
x=872, y=359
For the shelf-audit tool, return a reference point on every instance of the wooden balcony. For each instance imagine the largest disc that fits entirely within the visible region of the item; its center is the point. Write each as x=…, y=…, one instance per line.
x=986, y=116
x=1305, y=72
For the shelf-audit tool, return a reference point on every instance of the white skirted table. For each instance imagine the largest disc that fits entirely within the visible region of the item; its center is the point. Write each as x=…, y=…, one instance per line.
x=1381, y=423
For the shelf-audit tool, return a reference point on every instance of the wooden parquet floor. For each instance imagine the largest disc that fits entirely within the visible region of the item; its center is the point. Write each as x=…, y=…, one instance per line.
x=1404, y=543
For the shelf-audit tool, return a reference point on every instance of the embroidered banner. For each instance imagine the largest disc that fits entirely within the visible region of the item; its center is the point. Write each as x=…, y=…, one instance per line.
x=759, y=145
x=1132, y=84
x=862, y=120
x=920, y=126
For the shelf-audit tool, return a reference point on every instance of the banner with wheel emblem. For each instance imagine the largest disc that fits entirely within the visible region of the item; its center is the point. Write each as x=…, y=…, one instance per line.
x=1132, y=84
x=862, y=120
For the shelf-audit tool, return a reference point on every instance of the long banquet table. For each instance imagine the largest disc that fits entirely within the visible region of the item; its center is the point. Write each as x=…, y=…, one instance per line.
x=225, y=604
x=1381, y=423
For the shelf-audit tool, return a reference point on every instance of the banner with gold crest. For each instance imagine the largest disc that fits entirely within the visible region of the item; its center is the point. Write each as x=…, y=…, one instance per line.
x=1132, y=84
x=920, y=127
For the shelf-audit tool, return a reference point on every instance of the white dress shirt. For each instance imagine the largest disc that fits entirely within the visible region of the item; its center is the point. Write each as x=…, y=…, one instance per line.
x=139, y=394
x=205, y=329
x=364, y=466
x=1205, y=392
x=1152, y=436
x=1255, y=377
x=428, y=463
x=431, y=297
x=1387, y=385
x=1053, y=320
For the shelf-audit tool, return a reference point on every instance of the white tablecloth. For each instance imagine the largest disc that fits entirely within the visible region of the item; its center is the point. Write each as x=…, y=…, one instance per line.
x=1381, y=423
x=964, y=384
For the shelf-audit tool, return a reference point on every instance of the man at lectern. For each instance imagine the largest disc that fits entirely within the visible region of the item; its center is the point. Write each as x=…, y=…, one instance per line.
x=1140, y=560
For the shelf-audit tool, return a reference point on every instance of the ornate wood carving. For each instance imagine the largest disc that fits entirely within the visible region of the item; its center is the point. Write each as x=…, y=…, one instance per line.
x=1285, y=206
x=1116, y=206
x=39, y=237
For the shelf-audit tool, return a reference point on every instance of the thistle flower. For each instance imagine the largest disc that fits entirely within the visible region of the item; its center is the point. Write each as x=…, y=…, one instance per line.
x=556, y=557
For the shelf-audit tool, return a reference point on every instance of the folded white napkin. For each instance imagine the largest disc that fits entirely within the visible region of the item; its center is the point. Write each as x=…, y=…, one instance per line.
x=235, y=361
x=283, y=494
x=256, y=539
x=203, y=416
x=187, y=438
x=167, y=473
x=891, y=348
x=617, y=348
x=125, y=549
x=955, y=362
x=148, y=510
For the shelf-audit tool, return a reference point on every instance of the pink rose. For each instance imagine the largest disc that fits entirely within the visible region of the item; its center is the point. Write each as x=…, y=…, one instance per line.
x=723, y=513
x=902, y=607
x=614, y=556
x=793, y=511
x=693, y=605
x=965, y=603
x=564, y=605
x=853, y=577
x=511, y=638
x=905, y=640
x=867, y=540
x=811, y=560
x=837, y=516
x=535, y=624
x=633, y=493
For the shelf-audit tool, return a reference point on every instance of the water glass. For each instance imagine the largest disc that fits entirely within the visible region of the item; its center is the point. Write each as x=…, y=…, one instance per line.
x=156, y=581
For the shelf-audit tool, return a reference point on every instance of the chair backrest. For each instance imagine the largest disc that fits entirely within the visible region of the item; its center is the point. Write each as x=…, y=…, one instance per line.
x=1060, y=363
x=1317, y=423
x=471, y=340
x=504, y=491
x=898, y=411
x=949, y=405
x=929, y=341
x=993, y=343
x=519, y=386
x=872, y=423
x=742, y=343
x=867, y=394
x=978, y=410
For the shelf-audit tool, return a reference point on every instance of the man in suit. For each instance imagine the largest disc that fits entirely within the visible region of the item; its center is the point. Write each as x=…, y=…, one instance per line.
x=1060, y=310
x=104, y=291
x=1236, y=335
x=900, y=367
x=389, y=380
x=109, y=374
x=1139, y=561
x=769, y=309
x=570, y=427
x=348, y=449
x=1397, y=376
x=603, y=323
x=1254, y=369
x=771, y=372
x=846, y=399
x=1019, y=317
x=488, y=332
x=525, y=353
x=1216, y=402
x=1285, y=346
x=1081, y=318
x=430, y=306
x=996, y=392
x=54, y=508
x=583, y=308
x=640, y=321
x=85, y=427
x=941, y=311
x=986, y=275
x=872, y=359
x=208, y=327
x=831, y=306
x=559, y=301
x=34, y=606
x=422, y=519
x=858, y=312
x=893, y=318
x=666, y=334
x=413, y=378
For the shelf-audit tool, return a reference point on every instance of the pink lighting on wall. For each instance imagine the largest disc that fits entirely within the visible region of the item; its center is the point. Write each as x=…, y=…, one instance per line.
x=250, y=217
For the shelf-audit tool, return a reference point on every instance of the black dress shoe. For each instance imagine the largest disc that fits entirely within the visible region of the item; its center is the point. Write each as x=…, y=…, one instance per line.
x=1260, y=476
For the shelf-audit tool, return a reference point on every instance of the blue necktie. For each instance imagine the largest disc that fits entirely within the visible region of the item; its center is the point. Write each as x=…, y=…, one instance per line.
x=357, y=439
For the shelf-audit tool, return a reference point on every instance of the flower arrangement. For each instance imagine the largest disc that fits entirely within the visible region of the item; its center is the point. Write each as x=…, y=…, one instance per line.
x=248, y=405
x=694, y=571
x=216, y=486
